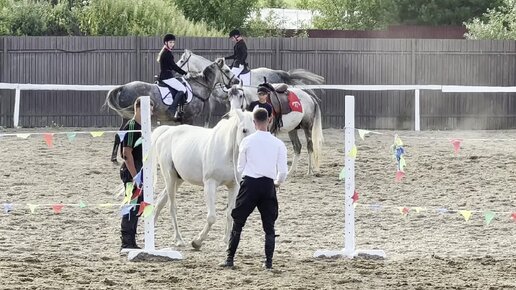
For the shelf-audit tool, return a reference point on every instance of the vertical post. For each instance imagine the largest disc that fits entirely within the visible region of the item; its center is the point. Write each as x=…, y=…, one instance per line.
x=16, y=113
x=349, y=184
x=138, y=58
x=148, y=191
x=417, y=114
x=277, y=54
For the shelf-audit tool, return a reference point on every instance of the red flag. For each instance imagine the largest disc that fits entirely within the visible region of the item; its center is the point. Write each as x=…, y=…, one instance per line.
x=137, y=192
x=355, y=196
x=399, y=175
x=143, y=204
x=405, y=210
x=513, y=216
x=49, y=139
x=57, y=208
x=456, y=145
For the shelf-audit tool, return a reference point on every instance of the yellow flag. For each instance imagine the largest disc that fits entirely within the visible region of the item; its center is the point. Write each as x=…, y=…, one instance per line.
x=466, y=214
x=362, y=133
x=128, y=193
x=97, y=133
x=147, y=211
x=398, y=141
x=418, y=209
x=23, y=136
x=353, y=152
x=32, y=207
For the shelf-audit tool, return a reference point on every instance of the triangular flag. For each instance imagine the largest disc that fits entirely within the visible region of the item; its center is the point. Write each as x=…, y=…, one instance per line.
x=488, y=217
x=342, y=173
x=418, y=209
x=456, y=145
x=97, y=133
x=355, y=197
x=128, y=192
x=8, y=207
x=71, y=136
x=403, y=163
x=126, y=208
x=57, y=208
x=143, y=205
x=32, y=207
x=397, y=141
x=121, y=135
x=137, y=192
x=49, y=139
x=148, y=211
x=376, y=207
x=404, y=210
x=353, y=152
x=399, y=175
x=466, y=214
x=513, y=216
x=23, y=136
x=442, y=210
x=362, y=133
x=138, y=179
x=82, y=204
x=138, y=142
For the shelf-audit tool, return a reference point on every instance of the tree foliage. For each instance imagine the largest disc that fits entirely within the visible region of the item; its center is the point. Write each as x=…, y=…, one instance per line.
x=499, y=23
x=221, y=14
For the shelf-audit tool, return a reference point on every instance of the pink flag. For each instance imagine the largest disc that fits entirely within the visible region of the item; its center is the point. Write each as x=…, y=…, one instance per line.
x=456, y=145
x=49, y=139
x=513, y=216
x=57, y=208
x=399, y=175
x=355, y=196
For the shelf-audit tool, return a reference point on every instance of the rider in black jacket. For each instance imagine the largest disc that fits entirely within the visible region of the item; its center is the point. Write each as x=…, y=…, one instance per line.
x=239, y=57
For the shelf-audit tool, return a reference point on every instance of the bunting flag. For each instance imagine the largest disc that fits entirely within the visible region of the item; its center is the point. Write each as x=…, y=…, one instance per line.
x=32, y=207
x=137, y=192
x=342, y=173
x=71, y=136
x=442, y=210
x=143, y=205
x=49, y=139
x=353, y=152
x=121, y=135
x=138, y=179
x=147, y=212
x=418, y=209
x=404, y=210
x=362, y=133
x=138, y=142
x=399, y=176
x=126, y=208
x=376, y=207
x=23, y=136
x=82, y=204
x=488, y=217
x=57, y=208
x=355, y=197
x=97, y=133
x=456, y=145
x=128, y=192
x=513, y=216
x=402, y=163
x=8, y=207
x=466, y=214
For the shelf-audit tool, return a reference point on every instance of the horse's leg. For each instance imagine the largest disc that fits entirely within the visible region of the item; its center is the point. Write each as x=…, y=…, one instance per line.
x=114, y=153
x=210, y=106
x=173, y=212
x=310, y=147
x=172, y=183
x=294, y=138
x=210, y=188
x=232, y=193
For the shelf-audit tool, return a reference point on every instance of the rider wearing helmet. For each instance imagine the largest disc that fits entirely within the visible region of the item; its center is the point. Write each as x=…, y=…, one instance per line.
x=239, y=56
x=168, y=67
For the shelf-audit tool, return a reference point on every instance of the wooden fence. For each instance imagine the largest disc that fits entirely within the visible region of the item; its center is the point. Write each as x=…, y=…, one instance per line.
x=118, y=60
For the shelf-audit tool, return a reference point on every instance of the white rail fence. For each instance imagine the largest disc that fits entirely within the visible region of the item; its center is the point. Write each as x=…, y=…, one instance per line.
x=416, y=88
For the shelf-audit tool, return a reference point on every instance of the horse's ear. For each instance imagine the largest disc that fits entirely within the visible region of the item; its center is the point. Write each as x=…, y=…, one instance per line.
x=188, y=52
x=220, y=62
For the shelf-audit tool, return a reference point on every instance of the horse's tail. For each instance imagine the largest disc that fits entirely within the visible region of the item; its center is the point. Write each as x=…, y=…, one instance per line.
x=113, y=102
x=317, y=136
x=304, y=77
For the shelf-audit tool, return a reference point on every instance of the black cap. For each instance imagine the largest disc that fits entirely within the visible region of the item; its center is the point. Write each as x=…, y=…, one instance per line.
x=169, y=37
x=234, y=32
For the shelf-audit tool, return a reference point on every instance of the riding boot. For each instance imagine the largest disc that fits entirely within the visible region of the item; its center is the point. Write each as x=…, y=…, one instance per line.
x=172, y=109
x=270, y=242
x=128, y=231
x=234, y=239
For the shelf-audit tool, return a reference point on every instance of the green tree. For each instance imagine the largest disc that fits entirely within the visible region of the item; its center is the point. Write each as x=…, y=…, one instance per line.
x=353, y=14
x=499, y=23
x=442, y=12
x=221, y=14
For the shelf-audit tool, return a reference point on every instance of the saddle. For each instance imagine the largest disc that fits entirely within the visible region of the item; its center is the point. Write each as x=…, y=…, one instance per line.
x=279, y=99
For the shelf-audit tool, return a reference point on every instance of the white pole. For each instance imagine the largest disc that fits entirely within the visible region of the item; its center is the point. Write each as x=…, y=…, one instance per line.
x=417, y=114
x=148, y=190
x=349, y=184
x=16, y=116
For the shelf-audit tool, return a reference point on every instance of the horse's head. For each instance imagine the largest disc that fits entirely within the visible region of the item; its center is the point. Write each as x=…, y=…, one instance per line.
x=191, y=62
x=236, y=98
x=219, y=72
x=245, y=124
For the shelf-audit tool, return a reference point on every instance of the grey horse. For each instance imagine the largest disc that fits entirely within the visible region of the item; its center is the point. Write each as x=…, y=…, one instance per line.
x=121, y=99
x=194, y=63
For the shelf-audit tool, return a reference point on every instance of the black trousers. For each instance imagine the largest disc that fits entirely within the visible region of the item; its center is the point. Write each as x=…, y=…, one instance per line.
x=260, y=193
x=129, y=224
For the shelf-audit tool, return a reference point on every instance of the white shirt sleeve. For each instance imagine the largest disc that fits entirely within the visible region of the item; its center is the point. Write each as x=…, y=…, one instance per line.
x=242, y=158
x=281, y=164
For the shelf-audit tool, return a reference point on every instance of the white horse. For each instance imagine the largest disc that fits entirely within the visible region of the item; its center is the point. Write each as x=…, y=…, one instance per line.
x=309, y=120
x=200, y=156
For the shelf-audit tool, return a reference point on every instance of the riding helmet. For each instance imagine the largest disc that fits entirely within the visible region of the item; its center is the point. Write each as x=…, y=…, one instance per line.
x=265, y=87
x=234, y=32
x=169, y=37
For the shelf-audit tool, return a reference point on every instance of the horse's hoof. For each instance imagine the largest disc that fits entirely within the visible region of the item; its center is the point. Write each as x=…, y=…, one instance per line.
x=196, y=246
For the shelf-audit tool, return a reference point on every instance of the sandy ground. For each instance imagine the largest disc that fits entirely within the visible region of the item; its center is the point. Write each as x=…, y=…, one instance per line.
x=78, y=249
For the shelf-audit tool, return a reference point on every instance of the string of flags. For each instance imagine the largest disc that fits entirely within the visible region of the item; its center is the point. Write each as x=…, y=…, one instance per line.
x=49, y=137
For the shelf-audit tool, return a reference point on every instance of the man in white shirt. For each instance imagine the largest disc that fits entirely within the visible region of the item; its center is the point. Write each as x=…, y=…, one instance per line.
x=262, y=162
